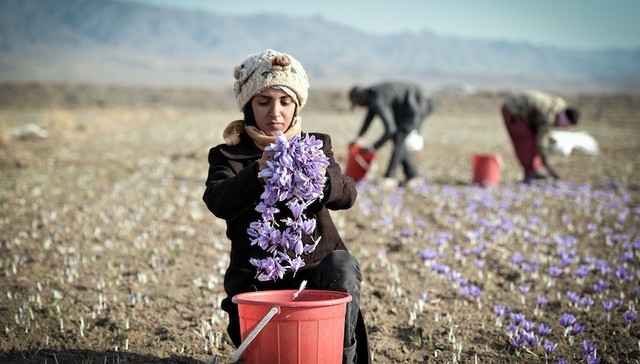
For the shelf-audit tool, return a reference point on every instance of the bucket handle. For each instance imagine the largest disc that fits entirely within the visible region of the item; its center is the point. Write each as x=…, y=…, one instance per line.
x=361, y=161
x=256, y=330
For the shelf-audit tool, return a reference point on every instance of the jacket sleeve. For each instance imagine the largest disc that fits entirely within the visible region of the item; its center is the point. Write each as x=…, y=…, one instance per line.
x=340, y=190
x=366, y=123
x=229, y=194
x=383, y=110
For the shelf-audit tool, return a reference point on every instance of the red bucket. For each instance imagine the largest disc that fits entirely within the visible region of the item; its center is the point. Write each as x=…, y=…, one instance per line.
x=358, y=162
x=486, y=169
x=276, y=328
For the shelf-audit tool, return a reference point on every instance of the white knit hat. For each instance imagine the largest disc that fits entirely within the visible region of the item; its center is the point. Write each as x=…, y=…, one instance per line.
x=270, y=69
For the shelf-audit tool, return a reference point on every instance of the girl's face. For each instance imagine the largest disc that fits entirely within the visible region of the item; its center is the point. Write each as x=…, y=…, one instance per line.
x=274, y=110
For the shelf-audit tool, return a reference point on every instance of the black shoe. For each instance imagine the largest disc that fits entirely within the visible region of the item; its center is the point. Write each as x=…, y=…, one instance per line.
x=533, y=176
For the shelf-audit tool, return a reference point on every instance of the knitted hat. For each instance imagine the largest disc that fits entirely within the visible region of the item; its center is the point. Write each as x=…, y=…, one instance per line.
x=270, y=69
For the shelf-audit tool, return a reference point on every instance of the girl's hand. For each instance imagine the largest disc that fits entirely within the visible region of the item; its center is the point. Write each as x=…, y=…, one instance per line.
x=262, y=162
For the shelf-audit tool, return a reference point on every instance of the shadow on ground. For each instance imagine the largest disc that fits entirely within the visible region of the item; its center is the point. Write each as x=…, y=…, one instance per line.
x=90, y=356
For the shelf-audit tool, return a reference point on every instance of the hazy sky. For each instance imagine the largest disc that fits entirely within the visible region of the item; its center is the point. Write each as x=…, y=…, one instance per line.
x=585, y=24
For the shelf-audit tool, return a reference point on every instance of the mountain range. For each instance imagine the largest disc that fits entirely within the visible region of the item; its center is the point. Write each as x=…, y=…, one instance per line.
x=128, y=43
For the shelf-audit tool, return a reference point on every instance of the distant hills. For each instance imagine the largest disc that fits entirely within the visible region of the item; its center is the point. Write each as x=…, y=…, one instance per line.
x=124, y=43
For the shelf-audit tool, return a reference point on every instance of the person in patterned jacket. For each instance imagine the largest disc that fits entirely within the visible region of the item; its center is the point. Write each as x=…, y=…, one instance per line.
x=529, y=116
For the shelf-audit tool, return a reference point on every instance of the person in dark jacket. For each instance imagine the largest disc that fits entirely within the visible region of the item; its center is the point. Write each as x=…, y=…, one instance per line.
x=402, y=108
x=529, y=116
x=270, y=89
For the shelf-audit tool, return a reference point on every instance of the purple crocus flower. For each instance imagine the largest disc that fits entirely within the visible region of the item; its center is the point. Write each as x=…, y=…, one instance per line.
x=629, y=317
x=517, y=318
x=586, y=302
x=518, y=342
x=589, y=352
x=573, y=297
x=567, y=319
x=600, y=286
x=582, y=271
x=577, y=328
x=530, y=338
x=544, y=330
x=528, y=326
x=475, y=291
x=549, y=346
x=554, y=272
x=428, y=254
x=294, y=174
x=607, y=305
x=542, y=300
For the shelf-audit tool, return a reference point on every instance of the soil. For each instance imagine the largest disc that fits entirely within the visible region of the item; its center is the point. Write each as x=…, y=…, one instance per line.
x=108, y=254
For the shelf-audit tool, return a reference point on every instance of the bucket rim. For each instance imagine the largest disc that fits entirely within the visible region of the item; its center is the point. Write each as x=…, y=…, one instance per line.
x=266, y=298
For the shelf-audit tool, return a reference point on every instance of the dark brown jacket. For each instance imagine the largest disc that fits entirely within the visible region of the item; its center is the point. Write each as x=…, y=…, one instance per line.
x=233, y=191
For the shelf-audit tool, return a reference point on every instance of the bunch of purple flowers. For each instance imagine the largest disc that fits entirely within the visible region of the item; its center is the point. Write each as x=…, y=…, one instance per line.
x=295, y=178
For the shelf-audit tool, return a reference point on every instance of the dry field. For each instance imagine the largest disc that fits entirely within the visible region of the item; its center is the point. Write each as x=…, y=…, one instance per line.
x=108, y=254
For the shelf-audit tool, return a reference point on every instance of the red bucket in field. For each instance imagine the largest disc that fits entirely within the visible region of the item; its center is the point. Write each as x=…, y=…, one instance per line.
x=486, y=169
x=276, y=328
x=358, y=162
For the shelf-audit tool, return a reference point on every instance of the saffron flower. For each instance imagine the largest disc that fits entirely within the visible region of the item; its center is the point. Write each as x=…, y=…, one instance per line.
x=589, y=352
x=295, y=179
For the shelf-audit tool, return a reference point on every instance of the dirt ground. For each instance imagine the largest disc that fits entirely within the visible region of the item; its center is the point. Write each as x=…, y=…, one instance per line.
x=108, y=254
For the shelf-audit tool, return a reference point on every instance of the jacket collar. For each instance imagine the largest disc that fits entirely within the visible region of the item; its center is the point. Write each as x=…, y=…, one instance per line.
x=246, y=149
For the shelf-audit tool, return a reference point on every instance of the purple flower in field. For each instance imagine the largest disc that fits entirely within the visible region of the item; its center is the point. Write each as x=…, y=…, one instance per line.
x=549, y=346
x=517, y=258
x=479, y=264
x=428, y=254
x=523, y=289
x=562, y=361
x=600, y=285
x=455, y=276
x=464, y=291
x=603, y=267
x=626, y=256
x=544, y=330
x=591, y=359
x=589, y=352
x=621, y=218
x=586, y=302
x=518, y=342
x=573, y=297
x=554, y=271
x=629, y=317
x=621, y=272
x=528, y=326
x=607, y=305
x=567, y=258
x=475, y=291
x=577, y=328
x=517, y=318
x=440, y=268
x=530, y=338
x=405, y=233
x=542, y=300
x=616, y=302
x=567, y=320
x=582, y=271
x=501, y=312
